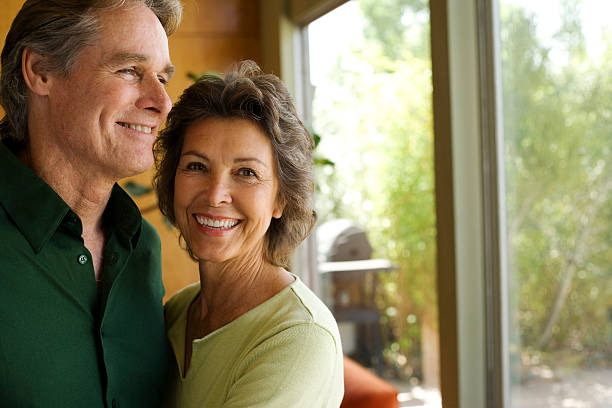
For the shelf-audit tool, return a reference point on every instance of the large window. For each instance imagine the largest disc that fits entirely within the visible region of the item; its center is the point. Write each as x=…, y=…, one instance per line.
x=524, y=129
x=556, y=65
x=370, y=72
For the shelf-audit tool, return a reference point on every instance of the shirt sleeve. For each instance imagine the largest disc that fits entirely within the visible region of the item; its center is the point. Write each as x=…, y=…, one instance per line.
x=298, y=367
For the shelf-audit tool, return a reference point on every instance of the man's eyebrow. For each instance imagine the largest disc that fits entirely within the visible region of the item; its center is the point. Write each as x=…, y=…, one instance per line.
x=123, y=57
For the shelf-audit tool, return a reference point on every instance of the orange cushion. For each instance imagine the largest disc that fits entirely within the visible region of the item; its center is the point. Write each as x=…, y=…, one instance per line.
x=363, y=389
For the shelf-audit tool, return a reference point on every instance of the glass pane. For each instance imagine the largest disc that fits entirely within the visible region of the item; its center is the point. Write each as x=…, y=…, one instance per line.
x=372, y=109
x=557, y=96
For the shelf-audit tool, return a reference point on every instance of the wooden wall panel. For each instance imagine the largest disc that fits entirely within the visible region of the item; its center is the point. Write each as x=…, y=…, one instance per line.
x=8, y=11
x=203, y=54
x=214, y=17
x=213, y=34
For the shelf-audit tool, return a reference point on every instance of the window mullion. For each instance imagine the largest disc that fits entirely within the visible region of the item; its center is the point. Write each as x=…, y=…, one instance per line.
x=496, y=287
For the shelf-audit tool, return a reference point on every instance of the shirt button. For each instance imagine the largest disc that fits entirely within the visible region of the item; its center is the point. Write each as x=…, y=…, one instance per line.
x=82, y=259
x=113, y=259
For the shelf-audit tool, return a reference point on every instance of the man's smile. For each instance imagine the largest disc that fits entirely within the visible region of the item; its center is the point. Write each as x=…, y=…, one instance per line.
x=139, y=128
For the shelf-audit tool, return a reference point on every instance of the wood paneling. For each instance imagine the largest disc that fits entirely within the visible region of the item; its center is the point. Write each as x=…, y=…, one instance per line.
x=8, y=11
x=204, y=53
x=214, y=17
x=213, y=34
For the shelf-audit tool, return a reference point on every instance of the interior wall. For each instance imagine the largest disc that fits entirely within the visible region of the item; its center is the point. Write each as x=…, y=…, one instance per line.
x=212, y=35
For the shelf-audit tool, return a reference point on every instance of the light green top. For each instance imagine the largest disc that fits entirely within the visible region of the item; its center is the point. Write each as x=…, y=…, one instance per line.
x=285, y=352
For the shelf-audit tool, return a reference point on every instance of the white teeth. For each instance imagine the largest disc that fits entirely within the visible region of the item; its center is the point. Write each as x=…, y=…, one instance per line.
x=221, y=224
x=139, y=128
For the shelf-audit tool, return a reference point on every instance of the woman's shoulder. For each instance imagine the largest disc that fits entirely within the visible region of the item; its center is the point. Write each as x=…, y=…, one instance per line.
x=180, y=301
x=299, y=305
x=311, y=304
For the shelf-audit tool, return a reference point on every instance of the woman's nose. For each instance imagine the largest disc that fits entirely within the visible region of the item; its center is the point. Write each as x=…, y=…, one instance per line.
x=218, y=192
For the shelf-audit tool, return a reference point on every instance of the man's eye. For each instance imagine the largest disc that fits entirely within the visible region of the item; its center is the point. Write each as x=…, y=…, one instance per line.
x=162, y=80
x=195, y=166
x=129, y=71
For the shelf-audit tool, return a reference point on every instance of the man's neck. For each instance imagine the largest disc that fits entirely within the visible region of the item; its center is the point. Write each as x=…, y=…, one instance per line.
x=82, y=189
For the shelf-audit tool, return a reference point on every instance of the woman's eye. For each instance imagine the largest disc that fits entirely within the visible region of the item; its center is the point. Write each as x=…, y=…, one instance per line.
x=195, y=166
x=247, y=172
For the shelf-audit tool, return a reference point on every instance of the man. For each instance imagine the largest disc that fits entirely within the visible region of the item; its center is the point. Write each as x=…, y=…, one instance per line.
x=81, y=315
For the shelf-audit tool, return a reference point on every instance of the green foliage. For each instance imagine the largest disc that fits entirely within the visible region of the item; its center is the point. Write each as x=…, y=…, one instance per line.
x=559, y=183
x=318, y=160
x=397, y=26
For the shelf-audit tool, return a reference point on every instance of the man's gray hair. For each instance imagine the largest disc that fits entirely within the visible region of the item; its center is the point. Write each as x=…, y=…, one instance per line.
x=58, y=30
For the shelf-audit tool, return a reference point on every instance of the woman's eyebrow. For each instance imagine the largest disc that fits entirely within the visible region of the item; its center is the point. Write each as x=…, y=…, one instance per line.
x=236, y=160
x=249, y=159
x=194, y=153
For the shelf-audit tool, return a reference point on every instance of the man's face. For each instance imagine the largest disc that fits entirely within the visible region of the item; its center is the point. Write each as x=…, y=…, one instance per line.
x=105, y=115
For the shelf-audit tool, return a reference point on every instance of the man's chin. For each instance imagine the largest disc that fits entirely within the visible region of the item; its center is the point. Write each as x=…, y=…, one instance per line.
x=135, y=168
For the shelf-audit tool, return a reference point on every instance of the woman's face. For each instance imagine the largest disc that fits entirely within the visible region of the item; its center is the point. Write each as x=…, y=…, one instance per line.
x=225, y=190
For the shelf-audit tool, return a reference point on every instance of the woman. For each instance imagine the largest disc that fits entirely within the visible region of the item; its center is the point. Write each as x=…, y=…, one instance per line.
x=235, y=176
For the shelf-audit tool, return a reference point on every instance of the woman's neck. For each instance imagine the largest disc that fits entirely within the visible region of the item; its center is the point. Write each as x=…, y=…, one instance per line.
x=232, y=288
x=227, y=291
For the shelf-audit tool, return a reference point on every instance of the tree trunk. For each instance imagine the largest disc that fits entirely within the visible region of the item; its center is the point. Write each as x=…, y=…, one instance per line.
x=562, y=294
x=571, y=265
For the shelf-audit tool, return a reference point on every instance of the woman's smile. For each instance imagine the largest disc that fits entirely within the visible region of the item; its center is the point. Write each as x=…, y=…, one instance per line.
x=215, y=226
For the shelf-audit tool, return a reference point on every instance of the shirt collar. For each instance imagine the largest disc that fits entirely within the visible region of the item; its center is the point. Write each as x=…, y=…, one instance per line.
x=37, y=210
x=123, y=216
x=32, y=204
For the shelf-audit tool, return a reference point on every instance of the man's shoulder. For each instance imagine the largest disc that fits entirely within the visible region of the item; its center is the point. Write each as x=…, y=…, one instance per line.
x=148, y=231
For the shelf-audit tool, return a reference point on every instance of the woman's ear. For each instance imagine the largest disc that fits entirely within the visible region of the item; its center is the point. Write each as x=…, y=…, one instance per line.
x=34, y=72
x=279, y=207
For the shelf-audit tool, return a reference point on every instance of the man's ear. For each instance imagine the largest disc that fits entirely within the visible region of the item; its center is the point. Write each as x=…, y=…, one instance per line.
x=34, y=72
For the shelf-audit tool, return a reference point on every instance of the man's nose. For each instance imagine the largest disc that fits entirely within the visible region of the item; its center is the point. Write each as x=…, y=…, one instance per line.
x=154, y=97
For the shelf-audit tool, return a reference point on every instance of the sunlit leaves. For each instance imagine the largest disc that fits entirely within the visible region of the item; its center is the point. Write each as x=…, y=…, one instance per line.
x=559, y=184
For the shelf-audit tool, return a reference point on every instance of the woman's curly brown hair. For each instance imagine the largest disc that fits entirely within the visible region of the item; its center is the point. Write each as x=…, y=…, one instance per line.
x=246, y=92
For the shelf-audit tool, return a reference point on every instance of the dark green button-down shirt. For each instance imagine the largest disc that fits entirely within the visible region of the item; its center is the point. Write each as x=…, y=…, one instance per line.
x=63, y=344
